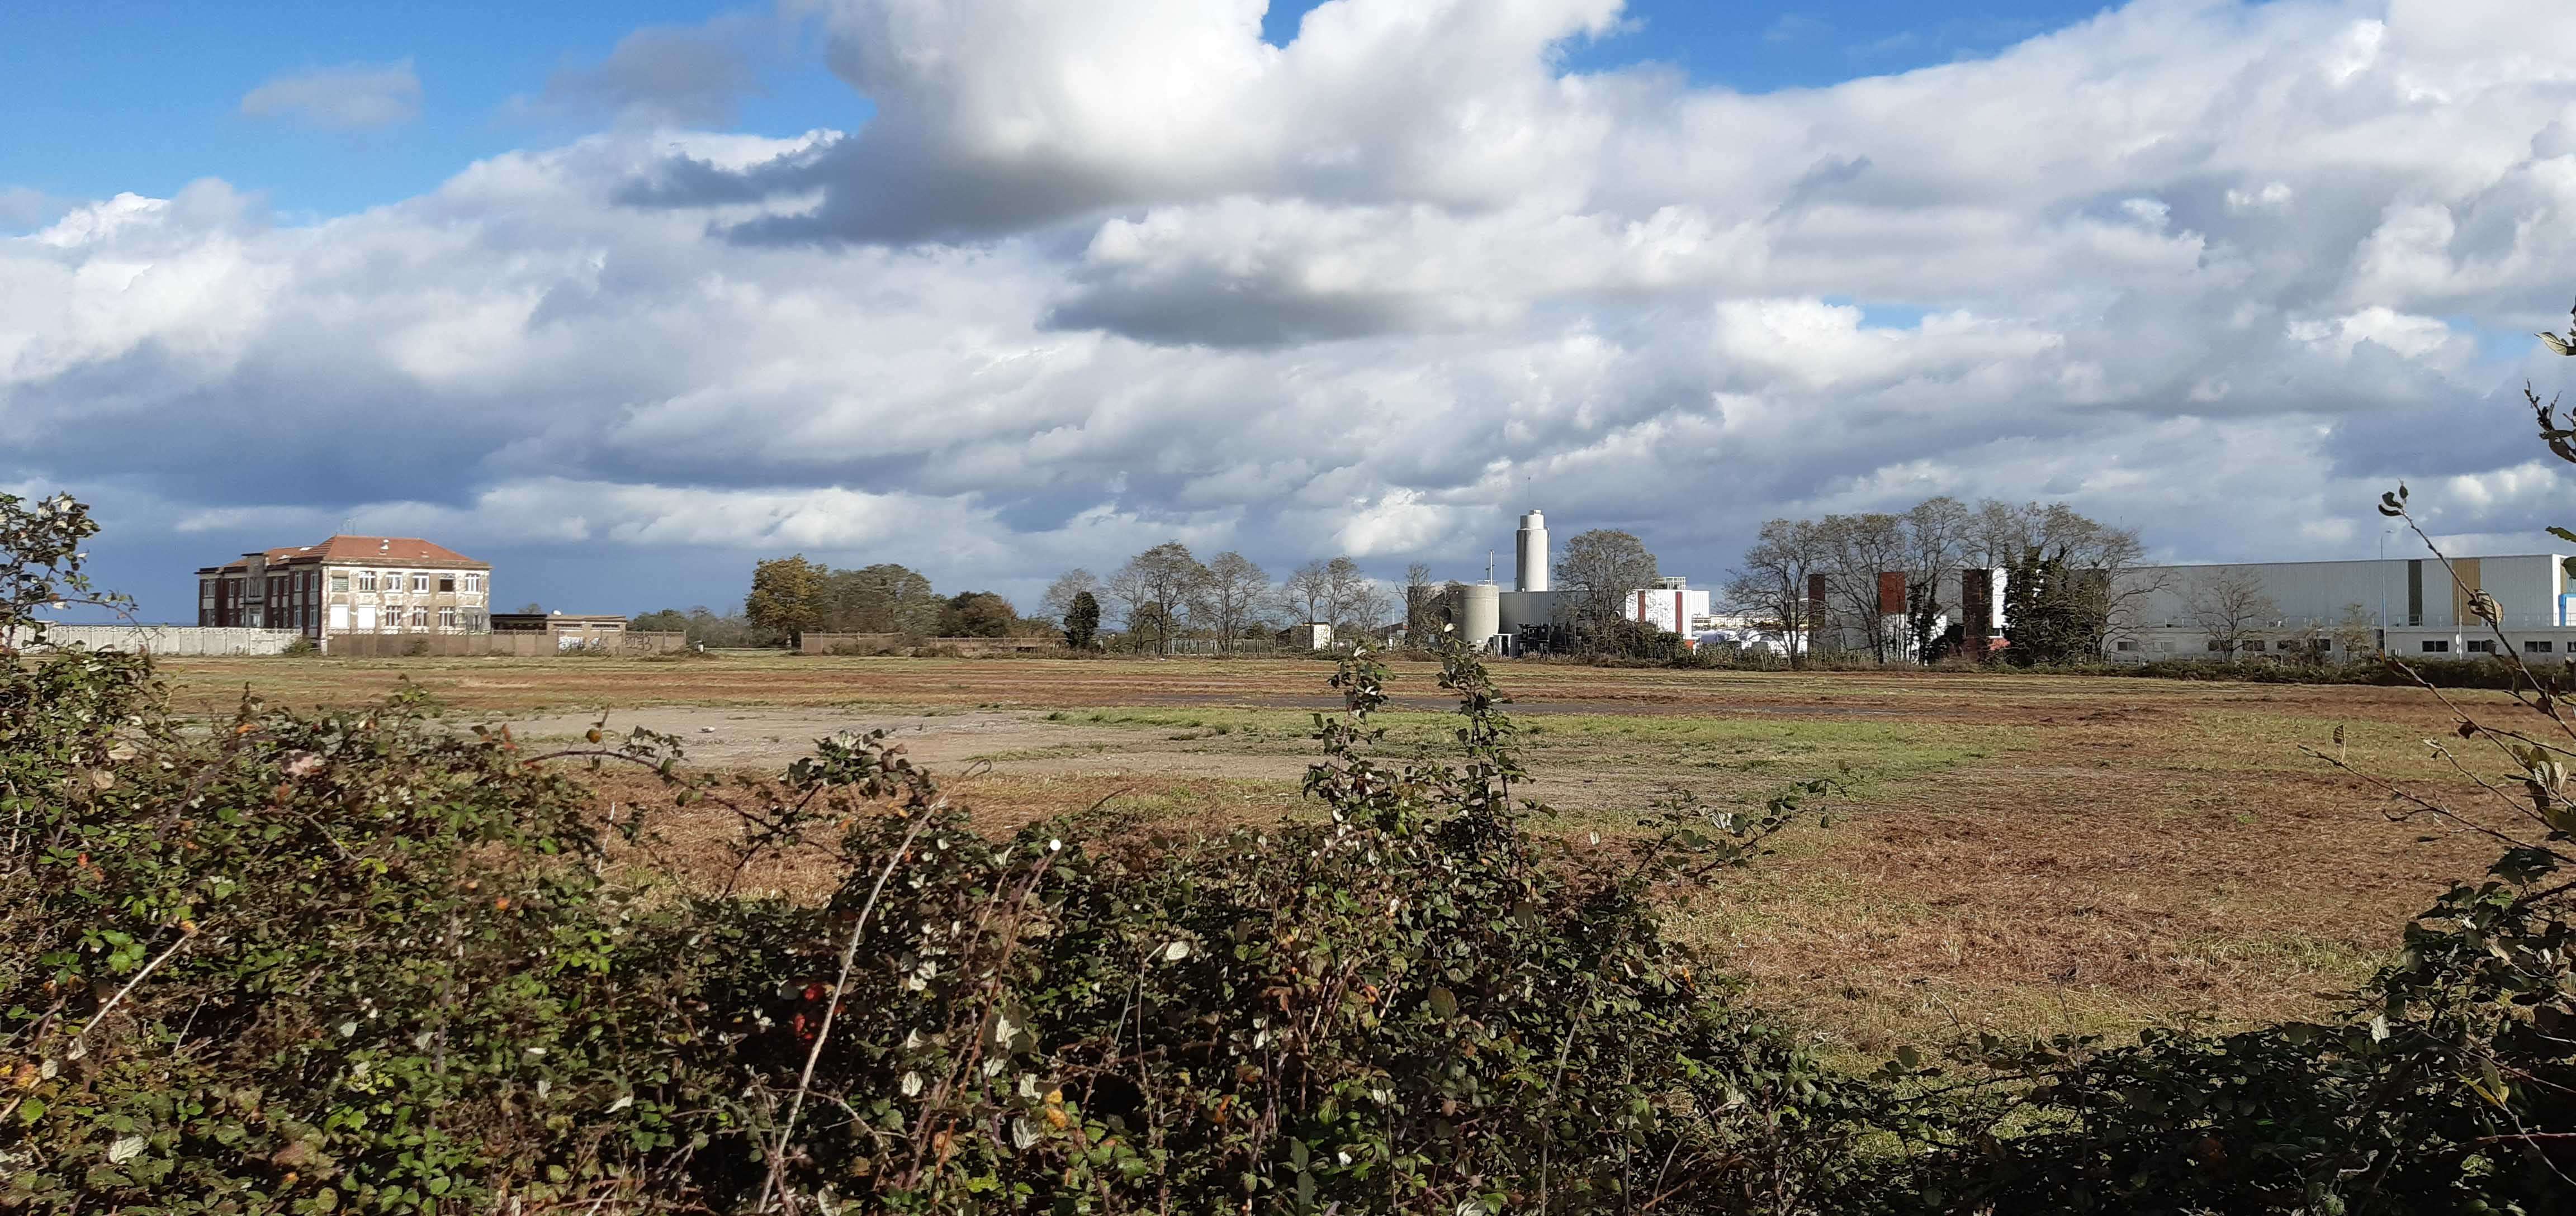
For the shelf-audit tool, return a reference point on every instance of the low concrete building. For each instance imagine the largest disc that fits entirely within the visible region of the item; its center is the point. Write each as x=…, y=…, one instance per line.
x=349, y=584
x=1310, y=636
x=570, y=631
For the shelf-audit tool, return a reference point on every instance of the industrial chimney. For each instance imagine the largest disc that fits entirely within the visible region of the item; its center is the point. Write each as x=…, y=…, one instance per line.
x=1531, y=575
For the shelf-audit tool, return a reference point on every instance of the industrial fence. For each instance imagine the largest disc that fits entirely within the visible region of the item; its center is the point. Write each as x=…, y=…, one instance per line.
x=172, y=639
x=1243, y=648
x=498, y=645
x=896, y=643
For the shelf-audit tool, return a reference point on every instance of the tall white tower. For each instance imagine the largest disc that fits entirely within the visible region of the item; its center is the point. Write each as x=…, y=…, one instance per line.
x=1531, y=575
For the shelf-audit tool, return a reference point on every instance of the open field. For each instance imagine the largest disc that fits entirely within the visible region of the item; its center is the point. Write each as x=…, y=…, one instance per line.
x=2016, y=853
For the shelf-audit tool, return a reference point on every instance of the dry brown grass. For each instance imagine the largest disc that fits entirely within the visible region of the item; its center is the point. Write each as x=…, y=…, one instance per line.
x=2018, y=853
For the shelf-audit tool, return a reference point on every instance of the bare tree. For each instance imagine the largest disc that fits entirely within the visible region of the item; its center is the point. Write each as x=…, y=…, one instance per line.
x=1936, y=534
x=1157, y=586
x=1421, y=604
x=1372, y=607
x=1135, y=602
x=1599, y=569
x=1060, y=594
x=2228, y=604
x=1772, y=583
x=1231, y=594
x=1857, y=550
x=1308, y=593
x=2108, y=564
x=2356, y=632
x=1346, y=592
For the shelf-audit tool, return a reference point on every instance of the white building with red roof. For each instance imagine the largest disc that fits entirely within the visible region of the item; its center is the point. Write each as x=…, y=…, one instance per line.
x=350, y=584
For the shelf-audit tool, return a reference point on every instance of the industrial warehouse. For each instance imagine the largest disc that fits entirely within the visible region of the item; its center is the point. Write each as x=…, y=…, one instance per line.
x=2330, y=610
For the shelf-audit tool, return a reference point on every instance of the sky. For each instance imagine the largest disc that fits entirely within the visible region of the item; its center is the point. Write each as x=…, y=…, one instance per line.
x=623, y=298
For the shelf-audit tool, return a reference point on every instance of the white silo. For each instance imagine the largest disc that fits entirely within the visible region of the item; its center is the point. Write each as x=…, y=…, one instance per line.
x=1480, y=618
x=1531, y=549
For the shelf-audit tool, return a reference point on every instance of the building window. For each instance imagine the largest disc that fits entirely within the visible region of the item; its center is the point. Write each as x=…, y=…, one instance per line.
x=2482, y=646
x=366, y=580
x=474, y=582
x=2321, y=645
x=339, y=582
x=420, y=583
x=420, y=618
x=447, y=582
x=2126, y=644
x=2215, y=645
x=2535, y=647
x=2437, y=646
x=2254, y=645
x=447, y=618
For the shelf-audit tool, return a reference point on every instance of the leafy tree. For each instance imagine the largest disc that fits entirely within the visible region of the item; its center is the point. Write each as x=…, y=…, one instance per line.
x=883, y=598
x=667, y=620
x=43, y=541
x=705, y=628
x=2117, y=584
x=2051, y=611
x=787, y=595
x=977, y=614
x=1082, y=621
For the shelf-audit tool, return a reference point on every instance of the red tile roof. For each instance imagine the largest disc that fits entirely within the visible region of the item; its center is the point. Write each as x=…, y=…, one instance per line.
x=388, y=550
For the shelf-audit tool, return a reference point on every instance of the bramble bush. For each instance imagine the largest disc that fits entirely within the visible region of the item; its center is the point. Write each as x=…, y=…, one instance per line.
x=367, y=960
x=364, y=960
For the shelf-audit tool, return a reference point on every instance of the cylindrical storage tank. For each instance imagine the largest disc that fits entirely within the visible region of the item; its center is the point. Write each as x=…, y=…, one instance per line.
x=1481, y=617
x=1529, y=572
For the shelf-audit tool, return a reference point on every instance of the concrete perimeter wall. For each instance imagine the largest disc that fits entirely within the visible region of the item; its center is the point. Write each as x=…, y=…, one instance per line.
x=483, y=645
x=889, y=643
x=172, y=639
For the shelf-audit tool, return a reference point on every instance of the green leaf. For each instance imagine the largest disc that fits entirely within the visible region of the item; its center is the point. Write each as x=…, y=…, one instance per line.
x=1444, y=1003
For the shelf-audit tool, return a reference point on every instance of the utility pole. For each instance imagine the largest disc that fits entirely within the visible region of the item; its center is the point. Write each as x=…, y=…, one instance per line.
x=2383, y=592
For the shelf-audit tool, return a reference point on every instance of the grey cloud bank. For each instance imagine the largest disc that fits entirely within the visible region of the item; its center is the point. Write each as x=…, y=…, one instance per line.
x=353, y=97
x=1096, y=276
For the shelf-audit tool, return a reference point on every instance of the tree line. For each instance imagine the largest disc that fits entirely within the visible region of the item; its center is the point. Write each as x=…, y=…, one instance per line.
x=1166, y=593
x=2071, y=581
x=792, y=596
x=1156, y=598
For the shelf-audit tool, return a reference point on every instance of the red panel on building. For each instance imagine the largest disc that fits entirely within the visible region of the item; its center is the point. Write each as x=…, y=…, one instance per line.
x=1891, y=593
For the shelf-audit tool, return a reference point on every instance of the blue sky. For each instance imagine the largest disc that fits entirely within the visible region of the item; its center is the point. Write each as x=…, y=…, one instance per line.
x=121, y=95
